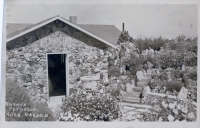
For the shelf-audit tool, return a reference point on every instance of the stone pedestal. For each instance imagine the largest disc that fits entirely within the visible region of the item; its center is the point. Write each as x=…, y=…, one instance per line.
x=129, y=87
x=183, y=93
x=183, y=67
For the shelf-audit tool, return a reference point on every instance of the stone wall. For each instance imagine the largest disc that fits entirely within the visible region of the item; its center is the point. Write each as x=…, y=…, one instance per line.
x=27, y=62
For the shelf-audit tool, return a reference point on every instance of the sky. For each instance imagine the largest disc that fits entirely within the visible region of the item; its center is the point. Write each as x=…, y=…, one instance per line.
x=167, y=21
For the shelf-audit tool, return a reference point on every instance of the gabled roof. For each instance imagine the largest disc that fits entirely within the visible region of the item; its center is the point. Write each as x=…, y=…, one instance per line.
x=107, y=34
x=13, y=27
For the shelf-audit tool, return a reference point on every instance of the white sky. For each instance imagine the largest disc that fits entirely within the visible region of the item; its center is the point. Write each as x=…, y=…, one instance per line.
x=148, y=20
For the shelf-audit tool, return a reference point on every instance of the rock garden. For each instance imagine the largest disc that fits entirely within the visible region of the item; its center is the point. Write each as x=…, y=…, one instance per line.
x=143, y=79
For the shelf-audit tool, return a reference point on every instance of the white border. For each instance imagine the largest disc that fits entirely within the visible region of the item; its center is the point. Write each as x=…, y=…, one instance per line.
x=99, y=124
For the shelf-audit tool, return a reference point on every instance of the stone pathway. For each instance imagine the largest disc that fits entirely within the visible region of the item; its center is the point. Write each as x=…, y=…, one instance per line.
x=130, y=110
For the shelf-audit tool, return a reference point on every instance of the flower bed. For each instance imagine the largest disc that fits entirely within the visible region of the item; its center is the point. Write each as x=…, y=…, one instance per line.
x=168, y=109
x=96, y=108
x=163, y=87
x=192, y=93
x=158, y=87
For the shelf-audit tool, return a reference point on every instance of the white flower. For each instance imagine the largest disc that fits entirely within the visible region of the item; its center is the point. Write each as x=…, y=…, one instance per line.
x=191, y=115
x=170, y=118
x=175, y=111
x=160, y=119
x=76, y=115
x=184, y=109
x=87, y=117
x=65, y=118
x=65, y=113
x=77, y=119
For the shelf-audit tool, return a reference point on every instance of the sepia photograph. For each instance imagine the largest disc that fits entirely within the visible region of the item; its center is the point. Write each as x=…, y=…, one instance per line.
x=100, y=62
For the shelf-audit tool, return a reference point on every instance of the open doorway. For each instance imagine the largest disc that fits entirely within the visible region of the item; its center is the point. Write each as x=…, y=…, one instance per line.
x=57, y=74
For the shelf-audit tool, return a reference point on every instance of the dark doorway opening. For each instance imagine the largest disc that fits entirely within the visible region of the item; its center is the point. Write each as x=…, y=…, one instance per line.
x=57, y=74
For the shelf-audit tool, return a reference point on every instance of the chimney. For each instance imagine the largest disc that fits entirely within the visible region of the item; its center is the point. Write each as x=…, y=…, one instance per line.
x=122, y=26
x=73, y=19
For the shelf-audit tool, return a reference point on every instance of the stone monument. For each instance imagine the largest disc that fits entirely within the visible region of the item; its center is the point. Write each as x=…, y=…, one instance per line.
x=143, y=77
x=146, y=90
x=183, y=67
x=182, y=94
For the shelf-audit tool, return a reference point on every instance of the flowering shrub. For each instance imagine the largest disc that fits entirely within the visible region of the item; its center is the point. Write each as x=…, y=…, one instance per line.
x=176, y=73
x=153, y=43
x=193, y=75
x=113, y=72
x=190, y=59
x=97, y=108
x=166, y=109
x=192, y=93
x=174, y=85
x=135, y=62
x=162, y=90
x=165, y=87
x=192, y=90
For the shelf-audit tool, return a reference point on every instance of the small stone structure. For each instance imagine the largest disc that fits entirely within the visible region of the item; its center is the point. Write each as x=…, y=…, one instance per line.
x=28, y=64
x=143, y=77
x=183, y=93
x=183, y=67
x=27, y=61
x=146, y=90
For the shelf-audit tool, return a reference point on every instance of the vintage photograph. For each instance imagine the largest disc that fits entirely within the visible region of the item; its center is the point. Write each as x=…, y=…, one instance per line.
x=101, y=62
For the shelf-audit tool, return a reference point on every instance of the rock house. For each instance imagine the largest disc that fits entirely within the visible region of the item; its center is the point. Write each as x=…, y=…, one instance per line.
x=52, y=56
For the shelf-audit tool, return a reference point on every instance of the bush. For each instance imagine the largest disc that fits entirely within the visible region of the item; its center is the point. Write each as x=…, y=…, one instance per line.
x=166, y=109
x=185, y=80
x=193, y=75
x=124, y=37
x=174, y=85
x=163, y=76
x=16, y=94
x=96, y=108
x=113, y=72
x=135, y=63
x=153, y=43
x=176, y=73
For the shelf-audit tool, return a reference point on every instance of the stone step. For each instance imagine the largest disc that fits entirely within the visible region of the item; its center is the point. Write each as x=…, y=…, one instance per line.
x=138, y=89
x=144, y=106
x=132, y=98
x=145, y=80
x=142, y=84
x=133, y=94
